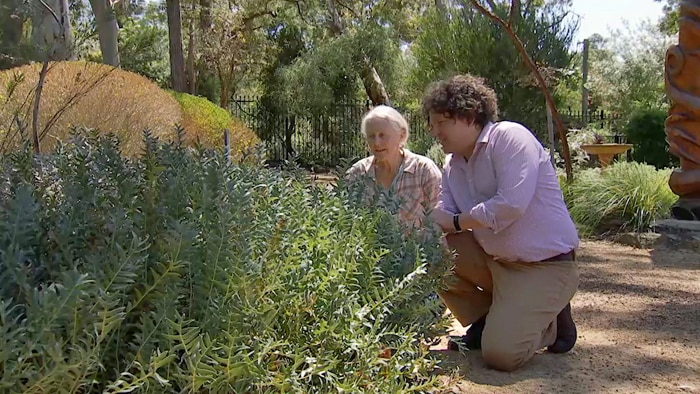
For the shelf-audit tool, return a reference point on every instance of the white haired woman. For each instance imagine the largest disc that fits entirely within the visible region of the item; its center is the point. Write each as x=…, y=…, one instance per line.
x=392, y=172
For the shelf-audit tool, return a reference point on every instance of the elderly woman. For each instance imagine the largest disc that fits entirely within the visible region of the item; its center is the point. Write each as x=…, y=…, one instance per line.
x=393, y=175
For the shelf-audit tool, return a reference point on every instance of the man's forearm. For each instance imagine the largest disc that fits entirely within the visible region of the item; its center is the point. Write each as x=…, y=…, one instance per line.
x=445, y=220
x=467, y=222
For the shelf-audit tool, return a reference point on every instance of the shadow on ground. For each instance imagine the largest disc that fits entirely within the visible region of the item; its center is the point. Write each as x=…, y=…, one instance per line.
x=587, y=369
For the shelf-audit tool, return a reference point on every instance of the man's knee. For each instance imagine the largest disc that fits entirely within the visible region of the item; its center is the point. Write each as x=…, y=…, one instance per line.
x=502, y=348
x=503, y=357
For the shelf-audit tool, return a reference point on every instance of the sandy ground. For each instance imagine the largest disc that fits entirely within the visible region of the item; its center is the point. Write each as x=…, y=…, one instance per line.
x=638, y=318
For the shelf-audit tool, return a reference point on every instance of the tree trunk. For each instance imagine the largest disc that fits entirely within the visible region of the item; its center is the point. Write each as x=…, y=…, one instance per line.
x=52, y=35
x=225, y=87
x=191, y=75
x=107, y=31
x=205, y=15
x=177, y=59
x=224, y=93
x=374, y=87
x=373, y=83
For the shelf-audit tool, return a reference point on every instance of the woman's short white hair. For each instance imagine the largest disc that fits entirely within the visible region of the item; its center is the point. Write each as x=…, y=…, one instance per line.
x=389, y=114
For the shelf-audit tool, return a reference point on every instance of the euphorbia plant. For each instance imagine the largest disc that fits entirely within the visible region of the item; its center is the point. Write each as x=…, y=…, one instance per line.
x=179, y=271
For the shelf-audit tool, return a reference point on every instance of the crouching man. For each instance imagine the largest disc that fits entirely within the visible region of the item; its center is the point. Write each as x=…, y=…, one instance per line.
x=504, y=214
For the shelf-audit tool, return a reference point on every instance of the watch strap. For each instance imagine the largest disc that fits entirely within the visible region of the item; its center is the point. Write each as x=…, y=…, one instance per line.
x=455, y=221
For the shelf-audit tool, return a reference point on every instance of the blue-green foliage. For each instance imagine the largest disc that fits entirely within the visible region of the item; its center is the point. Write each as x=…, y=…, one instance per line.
x=182, y=272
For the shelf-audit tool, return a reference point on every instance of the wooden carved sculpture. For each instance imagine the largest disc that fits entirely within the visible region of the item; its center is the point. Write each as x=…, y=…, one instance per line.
x=683, y=123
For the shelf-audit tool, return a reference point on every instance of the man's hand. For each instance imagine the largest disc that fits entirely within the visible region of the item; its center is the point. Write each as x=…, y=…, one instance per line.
x=443, y=219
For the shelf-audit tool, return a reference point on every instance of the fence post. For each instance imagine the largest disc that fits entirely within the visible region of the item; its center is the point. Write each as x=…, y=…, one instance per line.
x=227, y=146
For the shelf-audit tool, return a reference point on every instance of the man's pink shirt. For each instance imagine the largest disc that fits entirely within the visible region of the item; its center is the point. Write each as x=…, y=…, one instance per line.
x=510, y=186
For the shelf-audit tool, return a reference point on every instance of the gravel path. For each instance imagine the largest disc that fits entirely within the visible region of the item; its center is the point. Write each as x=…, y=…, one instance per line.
x=638, y=318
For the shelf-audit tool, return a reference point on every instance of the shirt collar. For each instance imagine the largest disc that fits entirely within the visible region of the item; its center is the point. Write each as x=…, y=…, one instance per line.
x=409, y=163
x=485, y=133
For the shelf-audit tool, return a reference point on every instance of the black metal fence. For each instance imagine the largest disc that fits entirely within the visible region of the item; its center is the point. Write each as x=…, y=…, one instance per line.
x=597, y=119
x=325, y=140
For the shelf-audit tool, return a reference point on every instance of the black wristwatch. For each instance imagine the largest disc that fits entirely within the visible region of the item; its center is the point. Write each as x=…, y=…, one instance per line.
x=455, y=221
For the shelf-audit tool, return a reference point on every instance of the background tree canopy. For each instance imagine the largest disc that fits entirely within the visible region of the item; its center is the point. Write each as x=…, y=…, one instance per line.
x=309, y=58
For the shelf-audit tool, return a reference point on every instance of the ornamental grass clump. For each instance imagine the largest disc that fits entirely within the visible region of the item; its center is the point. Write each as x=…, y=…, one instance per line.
x=178, y=271
x=626, y=196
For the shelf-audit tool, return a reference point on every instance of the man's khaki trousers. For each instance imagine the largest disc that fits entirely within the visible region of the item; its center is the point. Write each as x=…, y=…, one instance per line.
x=522, y=300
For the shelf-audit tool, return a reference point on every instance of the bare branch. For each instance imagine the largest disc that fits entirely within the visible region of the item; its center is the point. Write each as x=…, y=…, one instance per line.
x=254, y=28
x=349, y=9
x=255, y=15
x=301, y=14
x=440, y=5
x=43, y=3
x=561, y=129
x=74, y=98
x=37, y=100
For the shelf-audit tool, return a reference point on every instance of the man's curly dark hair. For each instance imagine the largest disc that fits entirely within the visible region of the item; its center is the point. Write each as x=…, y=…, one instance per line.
x=465, y=97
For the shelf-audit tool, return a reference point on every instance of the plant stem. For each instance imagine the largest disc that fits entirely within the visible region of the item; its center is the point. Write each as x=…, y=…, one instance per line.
x=37, y=99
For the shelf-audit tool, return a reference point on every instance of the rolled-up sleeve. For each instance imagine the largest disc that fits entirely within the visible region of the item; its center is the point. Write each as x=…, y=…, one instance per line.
x=516, y=160
x=446, y=201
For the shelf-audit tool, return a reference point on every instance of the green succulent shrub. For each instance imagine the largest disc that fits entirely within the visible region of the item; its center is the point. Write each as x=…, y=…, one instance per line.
x=178, y=271
x=645, y=130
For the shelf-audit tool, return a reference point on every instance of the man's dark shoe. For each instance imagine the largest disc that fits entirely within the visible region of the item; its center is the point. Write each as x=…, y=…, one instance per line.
x=566, y=332
x=472, y=339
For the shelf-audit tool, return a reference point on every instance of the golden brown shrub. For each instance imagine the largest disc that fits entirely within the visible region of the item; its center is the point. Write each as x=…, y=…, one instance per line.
x=78, y=93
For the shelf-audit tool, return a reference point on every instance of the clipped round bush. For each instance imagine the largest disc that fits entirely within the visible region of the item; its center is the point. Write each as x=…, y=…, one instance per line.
x=206, y=121
x=645, y=130
x=85, y=94
x=626, y=196
x=98, y=96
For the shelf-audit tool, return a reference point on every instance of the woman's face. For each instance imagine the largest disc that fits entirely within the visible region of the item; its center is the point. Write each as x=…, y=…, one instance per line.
x=383, y=138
